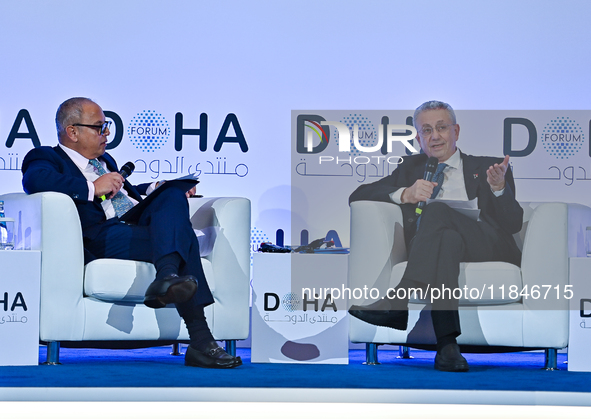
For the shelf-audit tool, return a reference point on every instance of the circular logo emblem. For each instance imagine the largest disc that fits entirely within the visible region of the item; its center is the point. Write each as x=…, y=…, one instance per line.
x=148, y=131
x=290, y=302
x=562, y=137
x=368, y=135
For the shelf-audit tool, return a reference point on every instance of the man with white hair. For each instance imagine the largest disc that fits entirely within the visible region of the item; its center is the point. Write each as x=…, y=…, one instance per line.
x=439, y=237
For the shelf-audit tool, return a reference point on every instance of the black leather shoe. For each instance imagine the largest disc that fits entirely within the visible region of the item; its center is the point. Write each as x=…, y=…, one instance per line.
x=450, y=359
x=170, y=290
x=385, y=312
x=211, y=357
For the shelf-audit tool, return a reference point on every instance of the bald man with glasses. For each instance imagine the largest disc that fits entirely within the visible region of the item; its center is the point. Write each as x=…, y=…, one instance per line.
x=80, y=168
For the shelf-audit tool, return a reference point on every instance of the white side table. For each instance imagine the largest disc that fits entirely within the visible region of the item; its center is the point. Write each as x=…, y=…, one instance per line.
x=579, y=341
x=19, y=307
x=289, y=327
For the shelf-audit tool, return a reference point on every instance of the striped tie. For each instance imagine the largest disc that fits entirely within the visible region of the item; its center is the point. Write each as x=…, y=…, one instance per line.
x=121, y=203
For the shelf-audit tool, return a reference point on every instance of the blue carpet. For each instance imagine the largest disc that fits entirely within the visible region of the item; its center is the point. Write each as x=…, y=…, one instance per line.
x=155, y=367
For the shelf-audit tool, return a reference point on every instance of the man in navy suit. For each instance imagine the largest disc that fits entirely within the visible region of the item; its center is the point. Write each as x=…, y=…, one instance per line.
x=444, y=237
x=80, y=168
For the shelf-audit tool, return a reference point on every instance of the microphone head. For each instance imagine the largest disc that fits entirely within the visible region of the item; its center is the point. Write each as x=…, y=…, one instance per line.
x=127, y=169
x=431, y=165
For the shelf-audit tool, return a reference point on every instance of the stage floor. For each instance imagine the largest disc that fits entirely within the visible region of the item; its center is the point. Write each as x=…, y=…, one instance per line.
x=152, y=374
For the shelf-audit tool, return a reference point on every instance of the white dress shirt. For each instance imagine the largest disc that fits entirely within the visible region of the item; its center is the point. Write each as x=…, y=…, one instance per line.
x=91, y=175
x=453, y=187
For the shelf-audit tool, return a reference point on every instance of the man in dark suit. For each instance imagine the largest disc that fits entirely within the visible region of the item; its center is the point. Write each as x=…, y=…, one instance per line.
x=80, y=168
x=441, y=237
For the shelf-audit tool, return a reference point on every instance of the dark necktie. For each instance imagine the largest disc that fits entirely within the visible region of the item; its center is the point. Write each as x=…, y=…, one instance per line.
x=438, y=178
x=121, y=203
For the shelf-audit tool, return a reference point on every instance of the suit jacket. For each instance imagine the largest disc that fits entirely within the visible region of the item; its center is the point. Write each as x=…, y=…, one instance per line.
x=503, y=213
x=51, y=169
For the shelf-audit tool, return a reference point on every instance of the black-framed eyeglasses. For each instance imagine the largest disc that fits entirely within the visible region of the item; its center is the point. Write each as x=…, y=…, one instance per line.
x=441, y=129
x=100, y=128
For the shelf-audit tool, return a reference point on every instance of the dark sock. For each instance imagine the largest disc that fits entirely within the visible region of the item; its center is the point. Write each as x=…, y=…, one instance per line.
x=199, y=332
x=445, y=340
x=167, y=265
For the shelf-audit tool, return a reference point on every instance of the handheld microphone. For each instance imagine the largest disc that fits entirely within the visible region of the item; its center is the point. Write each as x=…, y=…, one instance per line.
x=126, y=170
x=430, y=169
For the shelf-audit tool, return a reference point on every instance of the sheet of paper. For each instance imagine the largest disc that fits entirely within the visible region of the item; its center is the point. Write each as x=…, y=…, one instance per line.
x=190, y=176
x=468, y=208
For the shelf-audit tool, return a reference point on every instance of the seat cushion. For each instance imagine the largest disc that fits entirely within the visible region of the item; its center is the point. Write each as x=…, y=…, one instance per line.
x=117, y=280
x=481, y=283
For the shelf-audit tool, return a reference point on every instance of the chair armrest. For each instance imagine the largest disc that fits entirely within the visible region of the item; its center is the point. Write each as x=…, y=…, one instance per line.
x=229, y=257
x=554, y=233
x=579, y=218
x=544, y=260
x=49, y=221
x=377, y=244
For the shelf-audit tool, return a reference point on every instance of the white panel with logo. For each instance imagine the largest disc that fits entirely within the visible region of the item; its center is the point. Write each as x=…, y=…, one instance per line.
x=299, y=314
x=579, y=339
x=19, y=307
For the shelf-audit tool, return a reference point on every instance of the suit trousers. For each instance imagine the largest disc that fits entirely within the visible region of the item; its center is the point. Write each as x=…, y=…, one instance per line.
x=163, y=228
x=446, y=238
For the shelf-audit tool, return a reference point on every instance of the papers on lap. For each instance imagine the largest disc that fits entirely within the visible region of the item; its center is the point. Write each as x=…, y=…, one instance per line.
x=184, y=183
x=468, y=208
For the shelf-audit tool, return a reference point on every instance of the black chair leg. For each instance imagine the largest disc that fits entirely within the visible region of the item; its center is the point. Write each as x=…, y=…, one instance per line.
x=404, y=352
x=53, y=354
x=176, y=349
x=551, y=359
x=371, y=354
x=231, y=347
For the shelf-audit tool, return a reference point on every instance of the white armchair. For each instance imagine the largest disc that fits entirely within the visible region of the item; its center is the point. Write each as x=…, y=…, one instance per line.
x=551, y=233
x=103, y=300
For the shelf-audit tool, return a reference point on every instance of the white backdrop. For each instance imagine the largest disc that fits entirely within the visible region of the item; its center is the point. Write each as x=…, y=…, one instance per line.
x=260, y=60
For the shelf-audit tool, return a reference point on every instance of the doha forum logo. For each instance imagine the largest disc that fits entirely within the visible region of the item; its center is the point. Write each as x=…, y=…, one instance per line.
x=562, y=137
x=367, y=133
x=291, y=302
x=148, y=131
